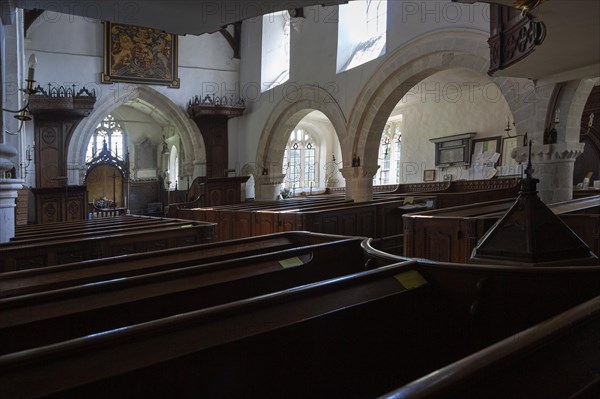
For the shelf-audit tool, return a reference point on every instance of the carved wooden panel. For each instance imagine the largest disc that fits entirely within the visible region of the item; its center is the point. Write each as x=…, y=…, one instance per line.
x=289, y=222
x=367, y=223
x=232, y=195
x=50, y=210
x=226, y=225
x=49, y=157
x=60, y=204
x=243, y=224
x=214, y=133
x=513, y=36
x=215, y=196
x=349, y=224
x=439, y=245
x=329, y=224
x=265, y=223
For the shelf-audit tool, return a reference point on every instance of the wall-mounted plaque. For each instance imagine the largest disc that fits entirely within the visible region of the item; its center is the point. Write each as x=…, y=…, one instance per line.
x=453, y=150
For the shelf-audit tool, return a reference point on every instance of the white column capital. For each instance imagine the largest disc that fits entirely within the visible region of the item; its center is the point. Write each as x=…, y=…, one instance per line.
x=359, y=182
x=267, y=186
x=553, y=165
x=359, y=172
x=549, y=152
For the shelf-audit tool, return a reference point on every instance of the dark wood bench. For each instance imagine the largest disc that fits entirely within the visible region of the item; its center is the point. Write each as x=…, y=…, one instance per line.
x=87, y=272
x=450, y=234
x=32, y=228
x=377, y=218
x=84, y=231
x=355, y=336
x=341, y=216
x=26, y=255
x=557, y=358
x=108, y=304
x=238, y=221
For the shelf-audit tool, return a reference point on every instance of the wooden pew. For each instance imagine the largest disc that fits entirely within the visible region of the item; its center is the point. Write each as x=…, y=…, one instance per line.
x=107, y=304
x=87, y=272
x=557, y=358
x=450, y=234
x=26, y=255
x=243, y=220
x=84, y=232
x=29, y=228
x=355, y=336
x=239, y=221
x=379, y=217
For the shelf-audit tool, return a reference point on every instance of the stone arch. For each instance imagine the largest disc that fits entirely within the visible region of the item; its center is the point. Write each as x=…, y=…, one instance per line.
x=286, y=115
x=571, y=99
x=191, y=139
x=407, y=66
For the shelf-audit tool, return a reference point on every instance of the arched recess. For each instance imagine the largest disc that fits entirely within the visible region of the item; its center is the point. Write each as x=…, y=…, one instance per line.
x=406, y=67
x=284, y=118
x=589, y=160
x=107, y=174
x=193, y=145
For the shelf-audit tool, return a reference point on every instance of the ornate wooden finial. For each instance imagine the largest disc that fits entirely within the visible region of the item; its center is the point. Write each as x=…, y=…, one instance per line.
x=529, y=184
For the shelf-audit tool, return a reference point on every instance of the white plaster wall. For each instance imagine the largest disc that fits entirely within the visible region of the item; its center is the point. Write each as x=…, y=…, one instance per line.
x=69, y=50
x=448, y=108
x=313, y=58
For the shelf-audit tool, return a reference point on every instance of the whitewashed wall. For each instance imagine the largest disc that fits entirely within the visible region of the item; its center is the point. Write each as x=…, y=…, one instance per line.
x=441, y=106
x=313, y=58
x=69, y=51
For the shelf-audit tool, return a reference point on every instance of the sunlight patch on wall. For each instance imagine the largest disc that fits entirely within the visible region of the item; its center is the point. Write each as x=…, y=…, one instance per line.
x=361, y=33
x=275, y=57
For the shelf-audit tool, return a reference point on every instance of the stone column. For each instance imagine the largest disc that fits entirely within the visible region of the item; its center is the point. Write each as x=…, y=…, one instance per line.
x=267, y=187
x=8, y=193
x=553, y=165
x=359, y=182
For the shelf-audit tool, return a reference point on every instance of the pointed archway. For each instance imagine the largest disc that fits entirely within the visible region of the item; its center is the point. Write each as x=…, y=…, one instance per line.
x=161, y=108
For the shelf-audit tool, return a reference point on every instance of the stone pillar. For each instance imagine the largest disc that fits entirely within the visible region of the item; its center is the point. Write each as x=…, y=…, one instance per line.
x=553, y=165
x=267, y=187
x=8, y=193
x=359, y=182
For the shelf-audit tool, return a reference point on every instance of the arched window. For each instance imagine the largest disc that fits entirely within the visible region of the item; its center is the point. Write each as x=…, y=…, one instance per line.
x=389, y=154
x=300, y=161
x=173, y=169
x=110, y=132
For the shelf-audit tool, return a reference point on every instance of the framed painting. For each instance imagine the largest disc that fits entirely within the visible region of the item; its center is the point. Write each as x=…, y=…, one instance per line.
x=429, y=175
x=135, y=54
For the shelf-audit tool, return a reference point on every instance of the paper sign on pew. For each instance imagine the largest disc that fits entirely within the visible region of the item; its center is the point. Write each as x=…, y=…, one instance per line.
x=291, y=262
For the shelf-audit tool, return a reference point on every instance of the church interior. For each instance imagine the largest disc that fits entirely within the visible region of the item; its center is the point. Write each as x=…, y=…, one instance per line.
x=358, y=199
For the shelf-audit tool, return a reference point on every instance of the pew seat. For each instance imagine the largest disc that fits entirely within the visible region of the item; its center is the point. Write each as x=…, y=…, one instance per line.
x=107, y=304
x=557, y=358
x=33, y=254
x=451, y=234
x=354, y=336
x=91, y=271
